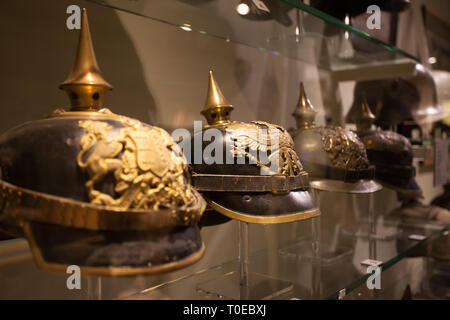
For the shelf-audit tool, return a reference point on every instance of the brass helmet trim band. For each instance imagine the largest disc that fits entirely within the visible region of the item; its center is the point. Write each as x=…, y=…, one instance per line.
x=359, y=187
x=291, y=217
x=336, y=173
x=108, y=271
x=26, y=204
x=248, y=183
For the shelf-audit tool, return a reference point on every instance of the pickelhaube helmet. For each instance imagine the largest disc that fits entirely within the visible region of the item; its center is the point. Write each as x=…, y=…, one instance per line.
x=390, y=153
x=265, y=10
x=399, y=100
x=254, y=174
x=91, y=188
x=334, y=157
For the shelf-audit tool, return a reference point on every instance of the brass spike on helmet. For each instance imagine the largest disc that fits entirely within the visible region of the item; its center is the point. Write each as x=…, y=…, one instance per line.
x=365, y=117
x=305, y=113
x=85, y=84
x=216, y=110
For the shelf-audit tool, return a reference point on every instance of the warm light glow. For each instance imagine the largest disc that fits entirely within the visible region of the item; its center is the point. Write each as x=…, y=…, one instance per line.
x=186, y=27
x=243, y=9
x=347, y=19
x=432, y=60
x=431, y=110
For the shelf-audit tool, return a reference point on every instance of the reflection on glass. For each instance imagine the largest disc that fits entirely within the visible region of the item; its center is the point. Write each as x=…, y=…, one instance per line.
x=289, y=28
x=346, y=50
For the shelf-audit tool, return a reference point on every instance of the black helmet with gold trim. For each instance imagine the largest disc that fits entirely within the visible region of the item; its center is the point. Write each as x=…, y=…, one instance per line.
x=253, y=174
x=91, y=188
x=334, y=157
x=390, y=153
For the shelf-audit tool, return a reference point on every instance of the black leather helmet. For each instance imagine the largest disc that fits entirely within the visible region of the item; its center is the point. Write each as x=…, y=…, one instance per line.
x=253, y=174
x=390, y=153
x=334, y=157
x=91, y=188
x=401, y=100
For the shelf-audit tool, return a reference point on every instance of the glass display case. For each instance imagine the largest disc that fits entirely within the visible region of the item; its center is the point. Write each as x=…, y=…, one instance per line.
x=325, y=257
x=293, y=30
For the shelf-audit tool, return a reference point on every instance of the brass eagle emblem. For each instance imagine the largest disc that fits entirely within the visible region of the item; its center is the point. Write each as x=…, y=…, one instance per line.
x=343, y=147
x=148, y=167
x=252, y=139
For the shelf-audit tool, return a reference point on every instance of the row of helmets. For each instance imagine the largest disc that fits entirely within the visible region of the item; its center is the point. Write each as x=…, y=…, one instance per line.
x=116, y=196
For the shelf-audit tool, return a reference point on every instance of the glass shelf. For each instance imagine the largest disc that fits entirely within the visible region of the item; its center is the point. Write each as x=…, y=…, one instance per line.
x=339, y=269
x=292, y=29
x=396, y=241
x=418, y=278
